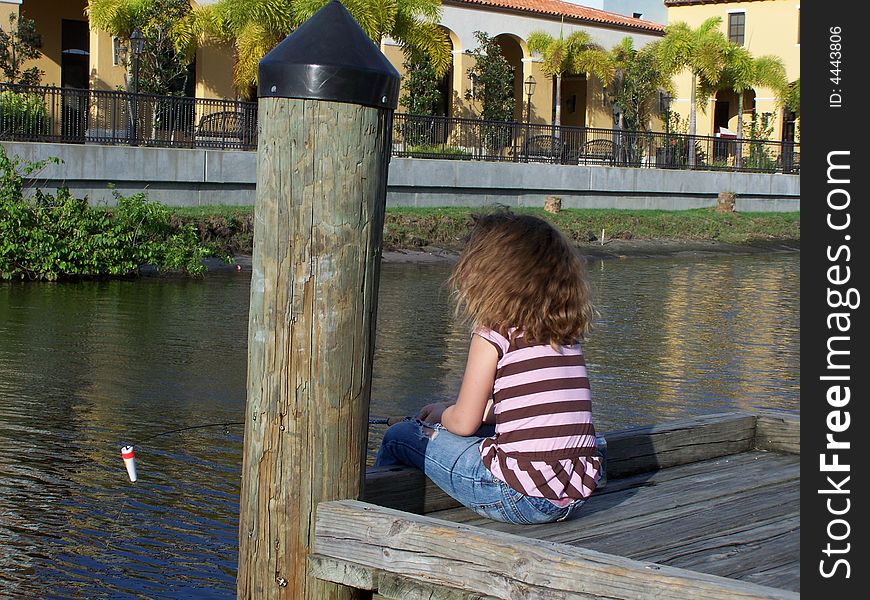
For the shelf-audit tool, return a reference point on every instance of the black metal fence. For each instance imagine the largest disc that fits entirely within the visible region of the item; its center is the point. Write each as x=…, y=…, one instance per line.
x=49, y=114
x=474, y=139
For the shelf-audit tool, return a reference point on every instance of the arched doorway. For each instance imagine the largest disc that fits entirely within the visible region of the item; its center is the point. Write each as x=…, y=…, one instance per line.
x=749, y=109
x=725, y=110
x=445, y=84
x=573, y=111
x=513, y=50
x=724, y=127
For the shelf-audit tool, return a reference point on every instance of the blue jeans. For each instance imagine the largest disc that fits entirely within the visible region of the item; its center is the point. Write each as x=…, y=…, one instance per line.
x=453, y=463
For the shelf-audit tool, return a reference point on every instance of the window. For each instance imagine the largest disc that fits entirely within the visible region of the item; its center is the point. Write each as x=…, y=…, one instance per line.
x=118, y=51
x=638, y=15
x=736, y=27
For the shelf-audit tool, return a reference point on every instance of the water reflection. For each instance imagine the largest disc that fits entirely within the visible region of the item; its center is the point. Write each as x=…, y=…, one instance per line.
x=684, y=337
x=87, y=367
x=84, y=367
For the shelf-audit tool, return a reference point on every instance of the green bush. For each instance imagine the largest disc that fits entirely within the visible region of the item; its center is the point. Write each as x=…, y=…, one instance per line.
x=50, y=237
x=426, y=151
x=22, y=113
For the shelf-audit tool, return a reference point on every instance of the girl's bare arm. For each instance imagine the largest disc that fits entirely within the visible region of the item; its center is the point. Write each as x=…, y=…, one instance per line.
x=466, y=416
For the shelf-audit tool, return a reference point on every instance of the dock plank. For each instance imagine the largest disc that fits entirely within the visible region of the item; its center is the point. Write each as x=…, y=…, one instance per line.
x=783, y=576
x=436, y=552
x=715, y=496
x=660, y=446
x=713, y=516
x=778, y=430
x=640, y=495
x=736, y=553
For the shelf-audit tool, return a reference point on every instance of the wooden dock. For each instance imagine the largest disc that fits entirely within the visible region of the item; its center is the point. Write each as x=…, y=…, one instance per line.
x=706, y=507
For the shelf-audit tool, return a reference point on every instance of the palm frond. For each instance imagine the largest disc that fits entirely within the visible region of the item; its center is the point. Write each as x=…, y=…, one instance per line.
x=252, y=44
x=598, y=63
x=792, y=98
x=208, y=22
x=184, y=38
x=709, y=25
x=538, y=41
x=770, y=73
x=427, y=39
x=117, y=17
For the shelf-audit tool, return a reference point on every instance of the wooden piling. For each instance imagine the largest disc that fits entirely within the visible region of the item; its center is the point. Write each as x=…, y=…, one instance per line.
x=325, y=129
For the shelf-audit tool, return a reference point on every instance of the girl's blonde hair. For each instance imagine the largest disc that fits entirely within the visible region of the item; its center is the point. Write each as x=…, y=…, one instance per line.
x=518, y=271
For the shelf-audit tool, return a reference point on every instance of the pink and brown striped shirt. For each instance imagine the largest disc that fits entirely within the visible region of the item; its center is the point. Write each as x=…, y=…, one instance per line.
x=544, y=444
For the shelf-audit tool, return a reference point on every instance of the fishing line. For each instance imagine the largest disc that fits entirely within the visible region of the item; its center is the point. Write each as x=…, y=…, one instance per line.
x=226, y=425
x=129, y=456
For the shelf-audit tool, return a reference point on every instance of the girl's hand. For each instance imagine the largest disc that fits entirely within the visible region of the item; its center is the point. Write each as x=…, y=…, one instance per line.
x=431, y=413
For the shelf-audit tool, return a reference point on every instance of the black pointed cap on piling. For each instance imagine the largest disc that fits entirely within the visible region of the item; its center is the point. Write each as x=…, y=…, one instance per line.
x=329, y=57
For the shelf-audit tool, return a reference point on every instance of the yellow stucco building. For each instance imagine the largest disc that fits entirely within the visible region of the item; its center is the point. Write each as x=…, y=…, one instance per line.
x=75, y=56
x=763, y=27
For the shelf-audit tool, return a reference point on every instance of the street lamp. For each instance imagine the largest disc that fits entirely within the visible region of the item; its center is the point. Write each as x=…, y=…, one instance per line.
x=137, y=45
x=530, y=89
x=665, y=109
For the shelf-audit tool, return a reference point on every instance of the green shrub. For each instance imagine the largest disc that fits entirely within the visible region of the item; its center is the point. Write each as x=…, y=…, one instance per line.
x=22, y=113
x=50, y=237
x=426, y=151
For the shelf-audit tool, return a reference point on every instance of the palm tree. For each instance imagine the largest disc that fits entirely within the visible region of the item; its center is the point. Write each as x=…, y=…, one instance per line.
x=256, y=26
x=702, y=51
x=742, y=72
x=167, y=29
x=118, y=17
x=637, y=82
x=792, y=98
x=574, y=54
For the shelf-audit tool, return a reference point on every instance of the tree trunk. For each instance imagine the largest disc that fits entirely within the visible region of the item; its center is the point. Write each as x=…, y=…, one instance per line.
x=738, y=152
x=557, y=123
x=693, y=116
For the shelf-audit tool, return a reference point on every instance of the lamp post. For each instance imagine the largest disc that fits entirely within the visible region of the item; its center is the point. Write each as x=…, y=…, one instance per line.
x=530, y=89
x=665, y=109
x=137, y=45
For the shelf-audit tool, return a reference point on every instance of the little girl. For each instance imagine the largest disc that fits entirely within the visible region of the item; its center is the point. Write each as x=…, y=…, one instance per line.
x=522, y=287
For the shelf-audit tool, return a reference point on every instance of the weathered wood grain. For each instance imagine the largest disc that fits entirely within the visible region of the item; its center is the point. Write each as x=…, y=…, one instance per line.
x=785, y=576
x=343, y=572
x=405, y=488
x=688, y=513
x=647, y=494
x=654, y=447
x=778, y=431
x=737, y=553
x=318, y=223
x=396, y=587
x=677, y=501
x=432, y=551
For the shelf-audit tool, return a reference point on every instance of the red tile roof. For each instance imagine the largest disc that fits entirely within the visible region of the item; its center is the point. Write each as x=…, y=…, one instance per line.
x=567, y=9
x=687, y=2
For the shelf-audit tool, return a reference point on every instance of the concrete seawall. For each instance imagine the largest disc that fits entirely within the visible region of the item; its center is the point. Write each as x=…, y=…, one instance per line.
x=185, y=177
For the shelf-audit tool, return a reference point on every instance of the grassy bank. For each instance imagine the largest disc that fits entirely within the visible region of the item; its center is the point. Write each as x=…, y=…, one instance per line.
x=230, y=228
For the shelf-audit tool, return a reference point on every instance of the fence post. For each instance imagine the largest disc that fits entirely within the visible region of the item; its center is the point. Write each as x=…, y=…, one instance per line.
x=326, y=100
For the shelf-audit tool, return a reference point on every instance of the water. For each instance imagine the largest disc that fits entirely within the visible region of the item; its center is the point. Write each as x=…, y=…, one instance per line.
x=87, y=367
